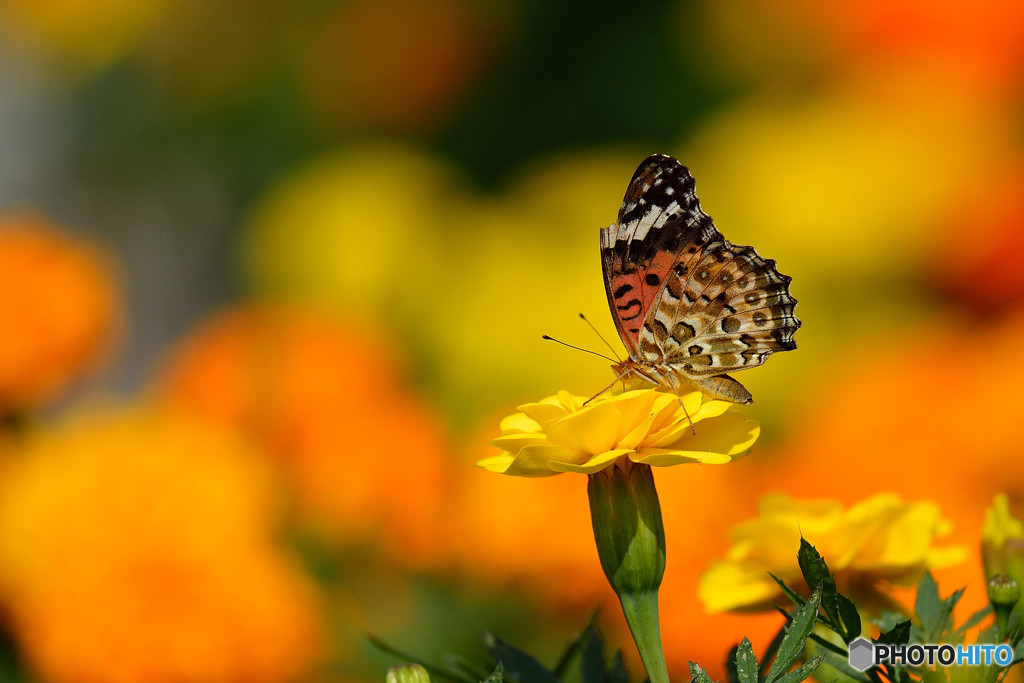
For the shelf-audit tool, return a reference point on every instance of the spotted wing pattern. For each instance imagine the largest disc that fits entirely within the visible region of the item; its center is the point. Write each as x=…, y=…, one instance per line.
x=728, y=310
x=684, y=298
x=660, y=225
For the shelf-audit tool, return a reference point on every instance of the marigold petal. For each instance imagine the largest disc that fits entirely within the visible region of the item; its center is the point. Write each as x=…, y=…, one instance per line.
x=594, y=464
x=664, y=457
x=518, y=422
x=727, y=586
x=730, y=433
x=513, y=443
x=537, y=461
x=590, y=430
x=543, y=411
x=496, y=463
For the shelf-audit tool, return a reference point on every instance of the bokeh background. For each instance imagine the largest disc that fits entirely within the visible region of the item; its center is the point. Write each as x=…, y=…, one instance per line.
x=271, y=272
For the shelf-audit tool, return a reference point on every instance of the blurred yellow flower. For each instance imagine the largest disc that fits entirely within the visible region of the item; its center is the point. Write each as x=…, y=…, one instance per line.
x=877, y=541
x=140, y=546
x=648, y=426
x=86, y=33
x=1002, y=540
x=59, y=311
x=326, y=399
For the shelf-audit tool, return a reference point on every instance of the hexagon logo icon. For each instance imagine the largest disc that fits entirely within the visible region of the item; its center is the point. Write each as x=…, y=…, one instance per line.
x=862, y=654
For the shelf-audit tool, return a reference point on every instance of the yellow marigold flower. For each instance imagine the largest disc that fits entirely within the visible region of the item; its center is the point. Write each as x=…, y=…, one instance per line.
x=648, y=426
x=58, y=311
x=879, y=540
x=140, y=547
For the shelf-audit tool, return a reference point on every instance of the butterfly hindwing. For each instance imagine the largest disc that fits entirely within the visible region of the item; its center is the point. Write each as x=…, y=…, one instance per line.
x=728, y=312
x=659, y=220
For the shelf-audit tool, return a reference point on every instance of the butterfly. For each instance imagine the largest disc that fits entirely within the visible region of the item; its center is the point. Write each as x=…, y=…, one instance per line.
x=689, y=305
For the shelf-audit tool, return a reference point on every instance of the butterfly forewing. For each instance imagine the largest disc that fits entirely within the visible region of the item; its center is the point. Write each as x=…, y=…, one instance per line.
x=685, y=299
x=659, y=219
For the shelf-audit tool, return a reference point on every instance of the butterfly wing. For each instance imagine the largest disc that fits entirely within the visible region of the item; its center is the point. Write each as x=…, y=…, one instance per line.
x=660, y=227
x=726, y=310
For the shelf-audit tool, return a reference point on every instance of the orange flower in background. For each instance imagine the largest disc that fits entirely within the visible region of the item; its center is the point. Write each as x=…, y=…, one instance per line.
x=365, y=458
x=975, y=259
x=978, y=46
x=59, y=309
x=396, y=64
x=139, y=546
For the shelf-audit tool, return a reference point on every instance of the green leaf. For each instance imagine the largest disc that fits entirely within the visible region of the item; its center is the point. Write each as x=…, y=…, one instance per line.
x=897, y=635
x=934, y=613
x=773, y=647
x=617, y=670
x=518, y=664
x=831, y=647
x=575, y=644
x=790, y=593
x=841, y=663
x=850, y=617
x=796, y=635
x=591, y=657
x=697, y=674
x=971, y=622
x=730, y=665
x=746, y=662
x=804, y=671
x=498, y=676
x=814, y=569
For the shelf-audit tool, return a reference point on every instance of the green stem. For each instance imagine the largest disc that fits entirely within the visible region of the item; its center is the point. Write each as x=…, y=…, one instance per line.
x=641, y=610
x=630, y=541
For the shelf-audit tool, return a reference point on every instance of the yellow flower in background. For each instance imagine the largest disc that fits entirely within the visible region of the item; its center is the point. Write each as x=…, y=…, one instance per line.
x=881, y=540
x=362, y=230
x=1002, y=540
x=647, y=426
x=59, y=311
x=84, y=33
x=140, y=546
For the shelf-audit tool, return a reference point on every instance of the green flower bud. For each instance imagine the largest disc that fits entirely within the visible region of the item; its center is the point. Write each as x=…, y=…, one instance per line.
x=407, y=673
x=1003, y=591
x=630, y=538
x=626, y=516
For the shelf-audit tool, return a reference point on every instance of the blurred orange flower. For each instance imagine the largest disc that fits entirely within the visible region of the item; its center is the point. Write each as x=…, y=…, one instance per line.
x=365, y=458
x=59, y=309
x=976, y=261
x=979, y=46
x=139, y=546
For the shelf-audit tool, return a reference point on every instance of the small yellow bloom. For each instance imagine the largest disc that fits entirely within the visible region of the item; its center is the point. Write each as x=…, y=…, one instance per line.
x=1002, y=540
x=648, y=426
x=879, y=540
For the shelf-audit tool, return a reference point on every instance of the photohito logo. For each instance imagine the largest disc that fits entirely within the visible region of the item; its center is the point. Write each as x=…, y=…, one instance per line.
x=864, y=654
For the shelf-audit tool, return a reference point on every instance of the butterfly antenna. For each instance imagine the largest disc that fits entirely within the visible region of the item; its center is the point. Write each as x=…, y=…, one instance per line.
x=599, y=336
x=559, y=341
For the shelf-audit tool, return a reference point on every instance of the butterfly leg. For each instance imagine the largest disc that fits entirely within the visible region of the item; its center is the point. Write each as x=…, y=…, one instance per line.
x=621, y=376
x=671, y=381
x=723, y=387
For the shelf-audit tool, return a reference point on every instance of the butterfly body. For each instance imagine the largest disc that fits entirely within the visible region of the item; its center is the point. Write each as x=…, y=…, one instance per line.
x=689, y=305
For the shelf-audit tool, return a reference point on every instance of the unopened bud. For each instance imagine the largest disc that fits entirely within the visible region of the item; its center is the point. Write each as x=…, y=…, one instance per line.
x=407, y=673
